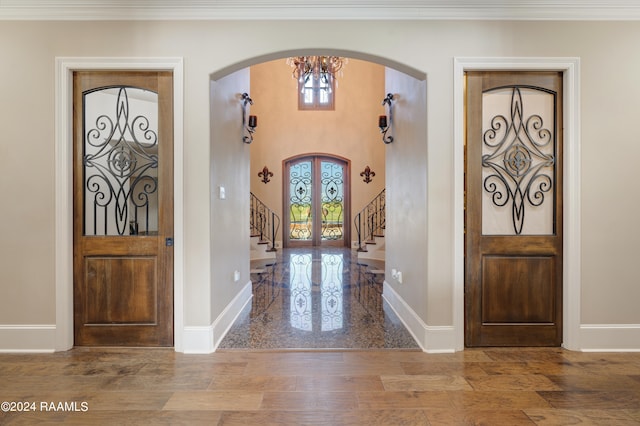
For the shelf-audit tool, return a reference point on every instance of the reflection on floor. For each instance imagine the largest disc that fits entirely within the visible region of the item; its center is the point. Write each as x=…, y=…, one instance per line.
x=317, y=298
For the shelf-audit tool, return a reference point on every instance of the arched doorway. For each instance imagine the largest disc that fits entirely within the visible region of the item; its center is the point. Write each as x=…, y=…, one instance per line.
x=316, y=200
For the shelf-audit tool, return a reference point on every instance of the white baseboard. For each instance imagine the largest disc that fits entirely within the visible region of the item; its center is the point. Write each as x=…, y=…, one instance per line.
x=197, y=339
x=205, y=339
x=27, y=338
x=610, y=337
x=431, y=339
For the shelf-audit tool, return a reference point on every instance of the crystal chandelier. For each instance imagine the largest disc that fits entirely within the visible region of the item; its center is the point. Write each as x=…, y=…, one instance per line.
x=322, y=68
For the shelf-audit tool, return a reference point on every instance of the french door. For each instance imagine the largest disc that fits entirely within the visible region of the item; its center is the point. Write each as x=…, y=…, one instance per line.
x=513, y=239
x=123, y=208
x=316, y=201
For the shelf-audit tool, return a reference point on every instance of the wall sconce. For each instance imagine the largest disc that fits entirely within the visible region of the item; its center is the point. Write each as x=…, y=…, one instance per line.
x=367, y=174
x=385, y=124
x=265, y=174
x=249, y=122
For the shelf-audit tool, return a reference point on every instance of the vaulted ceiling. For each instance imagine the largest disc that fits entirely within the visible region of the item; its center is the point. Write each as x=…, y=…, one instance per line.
x=313, y=9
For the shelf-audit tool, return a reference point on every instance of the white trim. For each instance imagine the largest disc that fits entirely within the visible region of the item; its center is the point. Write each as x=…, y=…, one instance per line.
x=408, y=316
x=198, y=339
x=64, y=190
x=205, y=339
x=610, y=337
x=334, y=10
x=431, y=339
x=39, y=338
x=230, y=313
x=571, y=218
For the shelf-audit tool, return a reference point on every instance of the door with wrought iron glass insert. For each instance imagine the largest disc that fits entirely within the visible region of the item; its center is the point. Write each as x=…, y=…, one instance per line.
x=316, y=200
x=123, y=208
x=513, y=260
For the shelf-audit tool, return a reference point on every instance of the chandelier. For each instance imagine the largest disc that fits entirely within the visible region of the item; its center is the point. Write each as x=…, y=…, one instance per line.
x=321, y=68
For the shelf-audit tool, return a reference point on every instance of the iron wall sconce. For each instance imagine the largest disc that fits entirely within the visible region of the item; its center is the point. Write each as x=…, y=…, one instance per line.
x=265, y=174
x=385, y=124
x=249, y=122
x=367, y=174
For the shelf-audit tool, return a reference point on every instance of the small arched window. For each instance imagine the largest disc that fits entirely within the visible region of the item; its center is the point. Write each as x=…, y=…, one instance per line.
x=316, y=93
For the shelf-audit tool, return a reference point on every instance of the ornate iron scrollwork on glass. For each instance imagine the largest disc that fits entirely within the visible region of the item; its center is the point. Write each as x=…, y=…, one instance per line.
x=300, y=197
x=120, y=162
x=332, y=180
x=519, y=156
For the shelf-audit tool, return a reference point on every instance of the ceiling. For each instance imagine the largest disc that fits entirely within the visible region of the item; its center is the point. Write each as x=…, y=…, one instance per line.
x=325, y=10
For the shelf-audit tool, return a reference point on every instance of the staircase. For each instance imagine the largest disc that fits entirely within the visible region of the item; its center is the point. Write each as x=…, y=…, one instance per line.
x=370, y=225
x=264, y=225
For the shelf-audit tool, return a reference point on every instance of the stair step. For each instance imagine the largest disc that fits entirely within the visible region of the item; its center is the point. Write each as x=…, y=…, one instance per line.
x=257, y=271
x=377, y=271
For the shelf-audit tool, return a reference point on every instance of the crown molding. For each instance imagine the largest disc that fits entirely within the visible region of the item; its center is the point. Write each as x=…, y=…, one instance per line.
x=105, y=10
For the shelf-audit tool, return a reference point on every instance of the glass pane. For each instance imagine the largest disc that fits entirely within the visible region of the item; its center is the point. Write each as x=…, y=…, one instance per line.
x=120, y=161
x=518, y=159
x=332, y=180
x=300, y=198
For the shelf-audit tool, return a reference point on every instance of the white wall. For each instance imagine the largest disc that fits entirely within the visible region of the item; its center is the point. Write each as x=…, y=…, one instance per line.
x=610, y=99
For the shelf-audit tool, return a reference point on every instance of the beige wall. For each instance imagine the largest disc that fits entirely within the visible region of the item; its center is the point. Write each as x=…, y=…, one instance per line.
x=407, y=236
x=610, y=101
x=229, y=241
x=350, y=131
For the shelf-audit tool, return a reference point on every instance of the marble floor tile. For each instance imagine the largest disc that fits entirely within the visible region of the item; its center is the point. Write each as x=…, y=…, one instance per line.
x=317, y=298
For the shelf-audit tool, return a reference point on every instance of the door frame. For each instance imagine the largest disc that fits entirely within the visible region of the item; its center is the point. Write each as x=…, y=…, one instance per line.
x=65, y=66
x=570, y=67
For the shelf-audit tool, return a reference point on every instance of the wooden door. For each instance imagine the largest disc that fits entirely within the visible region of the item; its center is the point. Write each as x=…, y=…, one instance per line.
x=123, y=208
x=316, y=201
x=513, y=239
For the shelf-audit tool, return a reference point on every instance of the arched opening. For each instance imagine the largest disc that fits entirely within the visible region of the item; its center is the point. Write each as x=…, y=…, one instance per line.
x=284, y=135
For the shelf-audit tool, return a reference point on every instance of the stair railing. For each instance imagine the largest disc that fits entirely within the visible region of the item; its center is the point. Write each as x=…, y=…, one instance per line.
x=371, y=220
x=264, y=222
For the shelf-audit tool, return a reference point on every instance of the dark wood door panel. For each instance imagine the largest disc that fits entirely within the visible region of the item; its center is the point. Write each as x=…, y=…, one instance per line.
x=120, y=290
x=518, y=290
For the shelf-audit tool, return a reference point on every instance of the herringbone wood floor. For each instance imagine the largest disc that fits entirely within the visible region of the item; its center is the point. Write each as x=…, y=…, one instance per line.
x=491, y=386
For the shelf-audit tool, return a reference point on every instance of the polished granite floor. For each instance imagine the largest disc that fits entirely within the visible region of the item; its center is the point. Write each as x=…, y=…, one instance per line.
x=317, y=298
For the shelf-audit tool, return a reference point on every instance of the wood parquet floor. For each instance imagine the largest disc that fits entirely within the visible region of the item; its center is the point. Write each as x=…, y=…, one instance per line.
x=526, y=386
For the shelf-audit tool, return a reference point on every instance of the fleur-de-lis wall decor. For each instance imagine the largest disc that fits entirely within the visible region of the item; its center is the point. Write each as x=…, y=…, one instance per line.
x=368, y=174
x=265, y=174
